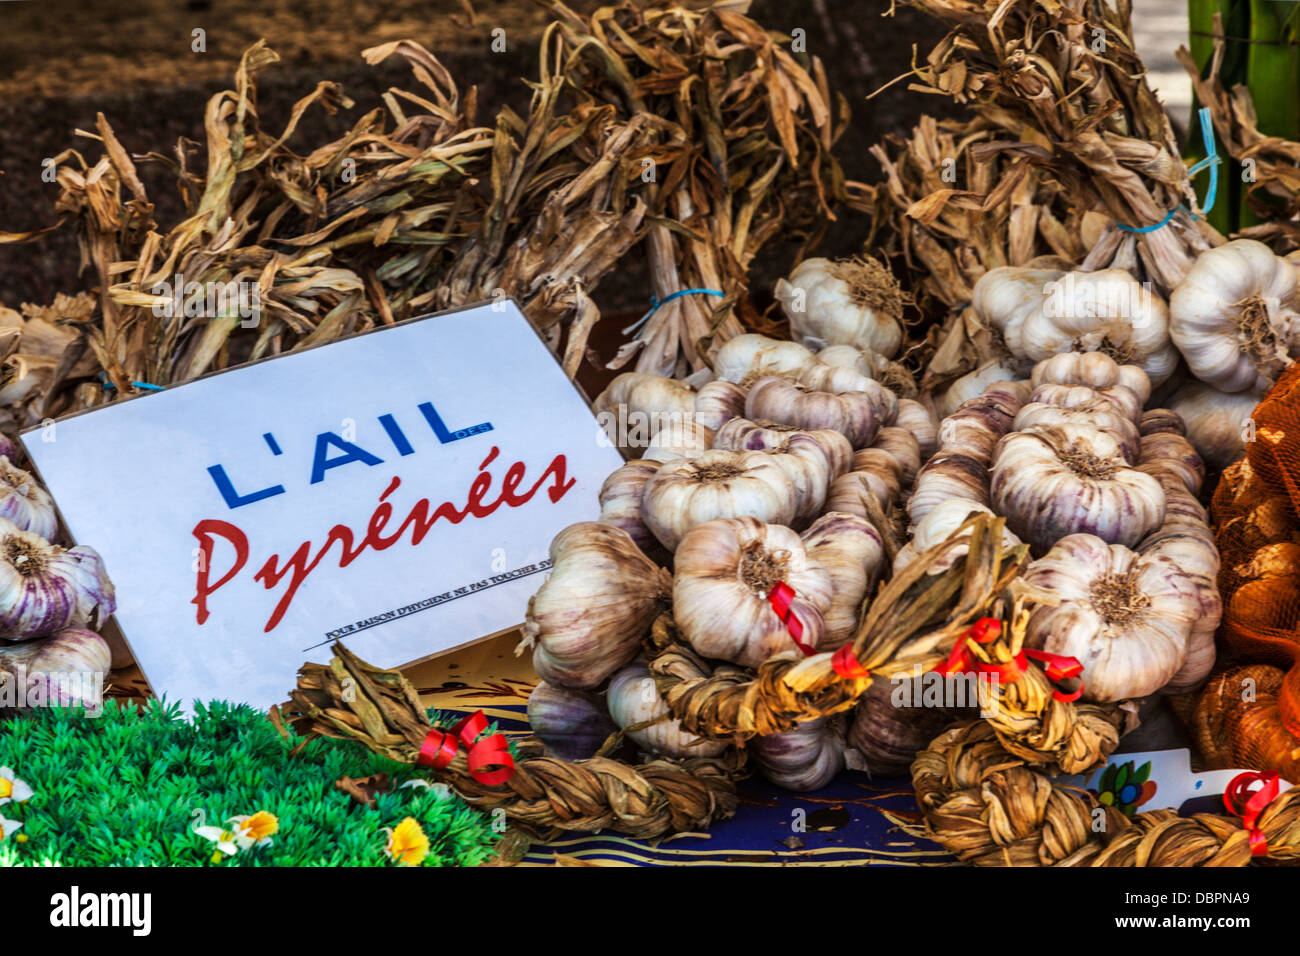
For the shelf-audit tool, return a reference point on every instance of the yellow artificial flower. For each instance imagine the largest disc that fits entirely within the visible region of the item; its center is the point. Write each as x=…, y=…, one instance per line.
x=255, y=829
x=407, y=844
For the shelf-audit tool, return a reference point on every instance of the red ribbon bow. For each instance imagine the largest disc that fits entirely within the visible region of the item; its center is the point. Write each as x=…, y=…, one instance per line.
x=1248, y=804
x=987, y=629
x=846, y=664
x=781, y=597
x=440, y=748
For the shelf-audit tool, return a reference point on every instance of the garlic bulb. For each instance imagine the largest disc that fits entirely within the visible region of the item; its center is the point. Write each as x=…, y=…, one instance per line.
x=1165, y=451
x=917, y=419
x=850, y=549
x=620, y=501
x=1197, y=560
x=601, y=596
x=947, y=476
x=869, y=489
x=902, y=446
x=719, y=402
x=725, y=570
x=886, y=371
x=1122, y=398
x=717, y=484
x=972, y=384
x=811, y=459
x=937, y=526
x=1159, y=420
x=679, y=439
x=1097, y=412
x=45, y=588
x=572, y=723
x=634, y=699
x=803, y=759
x=838, y=380
x=1041, y=314
x=852, y=414
x=1057, y=480
x=1218, y=423
x=1234, y=316
x=843, y=302
x=636, y=405
x=890, y=724
x=746, y=357
x=1093, y=369
x=741, y=434
x=1125, y=617
x=24, y=502
x=66, y=669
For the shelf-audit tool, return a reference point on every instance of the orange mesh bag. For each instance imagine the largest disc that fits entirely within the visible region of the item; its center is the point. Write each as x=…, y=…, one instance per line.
x=1250, y=716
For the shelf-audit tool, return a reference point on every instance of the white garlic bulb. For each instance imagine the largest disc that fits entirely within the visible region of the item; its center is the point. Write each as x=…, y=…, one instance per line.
x=66, y=669
x=1165, y=451
x=812, y=459
x=940, y=523
x=902, y=446
x=1125, y=617
x=1056, y=480
x=1094, y=369
x=852, y=414
x=620, y=501
x=972, y=384
x=744, y=358
x=718, y=402
x=1218, y=423
x=24, y=502
x=1041, y=314
x=45, y=588
x=1098, y=412
x=843, y=302
x=948, y=476
x=634, y=699
x=839, y=380
x=1234, y=316
x=803, y=759
x=726, y=570
x=636, y=405
x=917, y=419
x=717, y=484
x=600, y=598
x=679, y=439
x=850, y=549
x=1123, y=398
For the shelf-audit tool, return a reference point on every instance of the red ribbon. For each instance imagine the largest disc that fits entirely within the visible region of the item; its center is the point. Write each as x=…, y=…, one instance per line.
x=1248, y=804
x=440, y=748
x=987, y=629
x=781, y=597
x=846, y=664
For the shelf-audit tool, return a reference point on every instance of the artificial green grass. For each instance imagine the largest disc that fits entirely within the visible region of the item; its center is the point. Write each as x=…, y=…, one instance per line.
x=127, y=788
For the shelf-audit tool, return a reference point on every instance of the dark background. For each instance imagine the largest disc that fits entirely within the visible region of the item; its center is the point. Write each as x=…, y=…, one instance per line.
x=62, y=61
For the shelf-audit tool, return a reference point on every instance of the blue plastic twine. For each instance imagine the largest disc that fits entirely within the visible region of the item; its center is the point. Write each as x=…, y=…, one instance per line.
x=145, y=385
x=656, y=303
x=1211, y=161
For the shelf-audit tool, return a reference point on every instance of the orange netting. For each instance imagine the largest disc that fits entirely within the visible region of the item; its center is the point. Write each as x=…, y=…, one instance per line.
x=1250, y=716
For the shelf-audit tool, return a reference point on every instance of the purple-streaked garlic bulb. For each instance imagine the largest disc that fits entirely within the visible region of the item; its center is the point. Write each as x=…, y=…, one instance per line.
x=572, y=723
x=718, y=402
x=850, y=549
x=634, y=700
x=1094, y=369
x=45, y=588
x=66, y=669
x=904, y=447
x=588, y=617
x=891, y=723
x=839, y=380
x=1127, y=402
x=1126, y=617
x=920, y=422
x=812, y=459
x=1166, y=451
x=1056, y=480
x=717, y=484
x=851, y=413
x=24, y=502
x=741, y=434
x=725, y=571
x=679, y=439
x=936, y=527
x=803, y=759
x=1157, y=420
x=620, y=501
x=1098, y=413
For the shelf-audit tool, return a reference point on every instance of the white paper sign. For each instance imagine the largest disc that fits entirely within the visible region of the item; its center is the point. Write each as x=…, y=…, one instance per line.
x=397, y=490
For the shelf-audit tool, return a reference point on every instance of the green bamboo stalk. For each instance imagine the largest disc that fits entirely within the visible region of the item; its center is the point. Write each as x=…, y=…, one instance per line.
x=1273, y=74
x=1235, y=15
